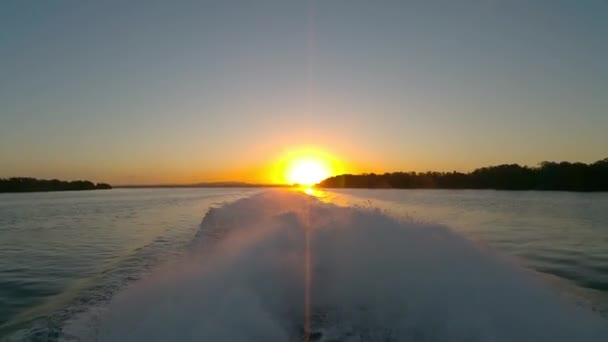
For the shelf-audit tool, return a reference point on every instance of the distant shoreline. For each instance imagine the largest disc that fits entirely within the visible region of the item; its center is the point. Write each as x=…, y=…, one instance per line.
x=548, y=176
x=26, y=184
x=203, y=185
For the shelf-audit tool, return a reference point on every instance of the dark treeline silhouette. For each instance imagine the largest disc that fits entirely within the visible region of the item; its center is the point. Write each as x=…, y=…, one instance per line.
x=24, y=184
x=562, y=176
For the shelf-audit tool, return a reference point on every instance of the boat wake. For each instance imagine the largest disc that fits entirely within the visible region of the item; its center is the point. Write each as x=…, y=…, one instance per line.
x=284, y=266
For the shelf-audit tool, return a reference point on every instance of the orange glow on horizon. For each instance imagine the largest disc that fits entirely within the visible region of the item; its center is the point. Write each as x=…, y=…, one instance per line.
x=304, y=165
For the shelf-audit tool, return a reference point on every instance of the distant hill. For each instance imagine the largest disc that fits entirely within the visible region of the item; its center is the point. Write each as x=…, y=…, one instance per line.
x=25, y=184
x=205, y=185
x=562, y=176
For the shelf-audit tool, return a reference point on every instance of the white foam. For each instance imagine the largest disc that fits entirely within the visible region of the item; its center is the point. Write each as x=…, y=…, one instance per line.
x=372, y=278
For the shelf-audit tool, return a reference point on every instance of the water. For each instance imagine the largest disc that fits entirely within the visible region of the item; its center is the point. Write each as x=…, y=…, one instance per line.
x=352, y=265
x=63, y=251
x=563, y=234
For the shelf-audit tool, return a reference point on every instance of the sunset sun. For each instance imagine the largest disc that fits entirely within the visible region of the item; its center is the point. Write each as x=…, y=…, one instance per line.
x=307, y=171
x=306, y=166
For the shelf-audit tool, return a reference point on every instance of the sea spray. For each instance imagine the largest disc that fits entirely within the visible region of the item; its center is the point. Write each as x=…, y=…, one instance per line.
x=373, y=278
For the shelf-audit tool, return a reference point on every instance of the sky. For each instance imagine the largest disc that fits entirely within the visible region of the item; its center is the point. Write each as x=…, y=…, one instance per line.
x=141, y=92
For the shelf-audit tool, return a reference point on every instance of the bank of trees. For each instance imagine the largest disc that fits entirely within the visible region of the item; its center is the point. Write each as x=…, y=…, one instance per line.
x=563, y=176
x=25, y=184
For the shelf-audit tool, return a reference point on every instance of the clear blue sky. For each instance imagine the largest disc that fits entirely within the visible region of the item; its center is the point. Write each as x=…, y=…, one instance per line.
x=180, y=91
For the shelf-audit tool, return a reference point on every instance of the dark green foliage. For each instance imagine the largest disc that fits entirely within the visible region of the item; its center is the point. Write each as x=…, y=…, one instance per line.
x=547, y=176
x=23, y=184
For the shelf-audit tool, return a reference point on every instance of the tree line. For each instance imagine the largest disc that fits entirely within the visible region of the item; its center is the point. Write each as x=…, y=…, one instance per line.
x=563, y=176
x=26, y=184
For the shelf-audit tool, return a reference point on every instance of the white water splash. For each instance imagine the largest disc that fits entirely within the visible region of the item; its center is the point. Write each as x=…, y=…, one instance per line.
x=372, y=279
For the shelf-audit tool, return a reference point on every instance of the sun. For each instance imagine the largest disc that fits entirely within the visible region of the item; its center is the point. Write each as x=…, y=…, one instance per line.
x=307, y=171
x=305, y=166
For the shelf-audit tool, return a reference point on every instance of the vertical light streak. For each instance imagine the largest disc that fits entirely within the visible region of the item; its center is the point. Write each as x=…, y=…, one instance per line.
x=307, y=275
